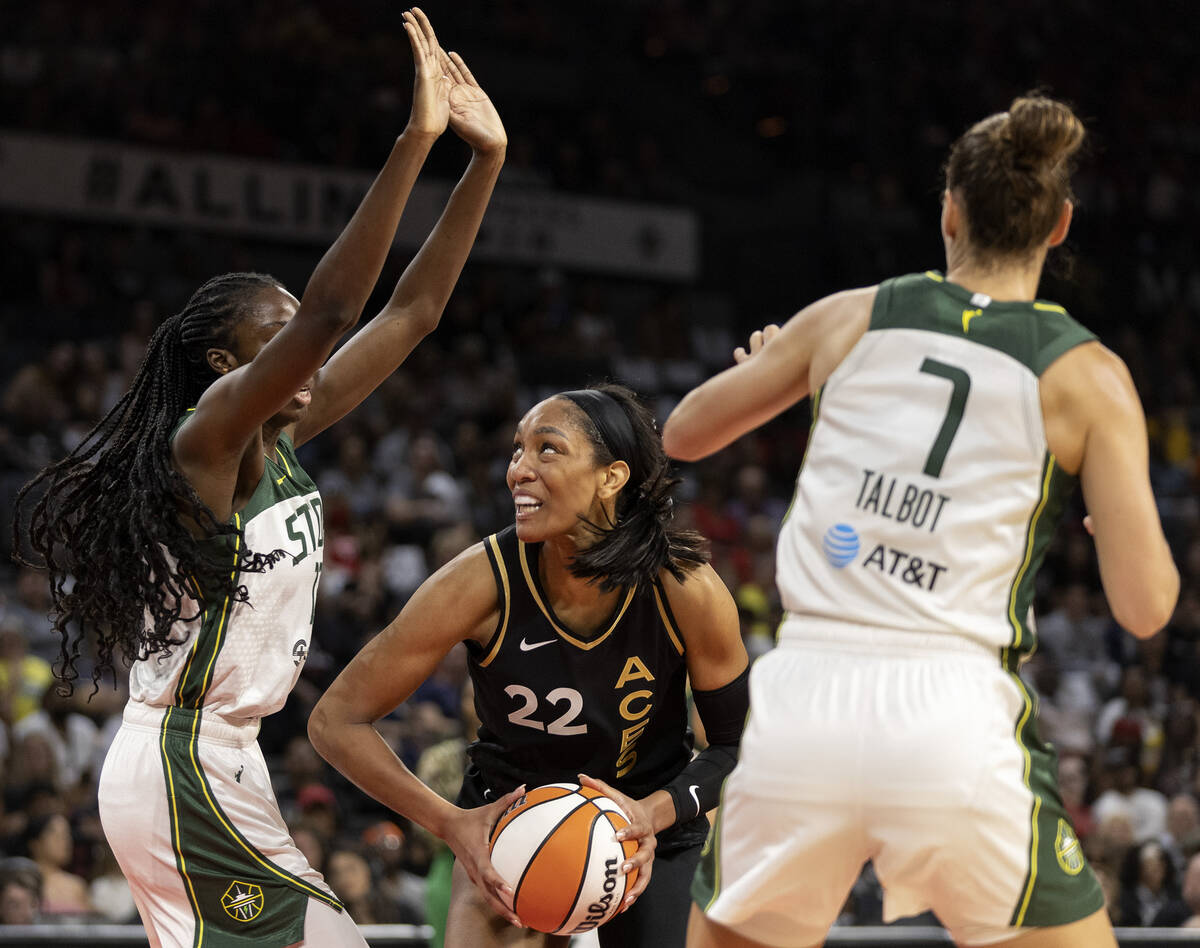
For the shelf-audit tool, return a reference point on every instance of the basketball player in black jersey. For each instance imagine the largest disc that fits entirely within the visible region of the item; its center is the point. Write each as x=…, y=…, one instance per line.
x=583, y=622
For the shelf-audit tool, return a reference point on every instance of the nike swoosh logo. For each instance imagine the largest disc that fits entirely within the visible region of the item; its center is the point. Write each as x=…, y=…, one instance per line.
x=529, y=647
x=692, y=790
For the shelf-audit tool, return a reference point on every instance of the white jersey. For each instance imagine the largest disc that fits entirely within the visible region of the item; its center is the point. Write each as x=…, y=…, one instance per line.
x=927, y=495
x=240, y=660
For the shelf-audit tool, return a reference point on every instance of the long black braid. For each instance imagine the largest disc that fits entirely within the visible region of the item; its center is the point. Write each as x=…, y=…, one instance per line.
x=109, y=526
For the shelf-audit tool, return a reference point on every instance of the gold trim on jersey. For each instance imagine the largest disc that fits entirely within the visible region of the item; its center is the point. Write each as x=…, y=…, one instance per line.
x=1049, y=307
x=670, y=626
x=935, y=276
x=506, y=605
x=187, y=668
x=1031, y=535
x=281, y=462
x=563, y=633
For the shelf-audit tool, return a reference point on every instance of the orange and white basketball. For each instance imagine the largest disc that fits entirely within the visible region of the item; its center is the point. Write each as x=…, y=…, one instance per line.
x=555, y=846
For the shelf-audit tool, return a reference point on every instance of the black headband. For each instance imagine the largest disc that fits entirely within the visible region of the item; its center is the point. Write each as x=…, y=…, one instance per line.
x=614, y=426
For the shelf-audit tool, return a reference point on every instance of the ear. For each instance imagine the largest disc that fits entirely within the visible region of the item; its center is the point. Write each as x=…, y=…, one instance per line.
x=1059, y=234
x=221, y=360
x=612, y=479
x=951, y=215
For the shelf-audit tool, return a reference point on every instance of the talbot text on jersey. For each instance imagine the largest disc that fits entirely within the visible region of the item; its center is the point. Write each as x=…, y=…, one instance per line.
x=912, y=506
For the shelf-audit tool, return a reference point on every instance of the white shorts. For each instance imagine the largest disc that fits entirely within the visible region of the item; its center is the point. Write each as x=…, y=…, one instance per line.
x=187, y=806
x=917, y=752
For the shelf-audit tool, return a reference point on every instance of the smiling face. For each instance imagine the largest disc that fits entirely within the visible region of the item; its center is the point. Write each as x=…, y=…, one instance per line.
x=554, y=477
x=271, y=310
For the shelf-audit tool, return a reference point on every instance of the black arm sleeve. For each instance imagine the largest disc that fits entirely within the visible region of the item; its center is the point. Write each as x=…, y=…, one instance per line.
x=697, y=788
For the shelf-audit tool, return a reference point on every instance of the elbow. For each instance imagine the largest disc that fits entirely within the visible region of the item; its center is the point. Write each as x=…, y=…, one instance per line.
x=333, y=314
x=1152, y=611
x=424, y=319
x=318, y=730
x=677, y=445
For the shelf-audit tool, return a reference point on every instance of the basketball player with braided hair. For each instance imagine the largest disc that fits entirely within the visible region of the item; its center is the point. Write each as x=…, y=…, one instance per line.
x=182, y=536
x=953, y=415
x=583, y=623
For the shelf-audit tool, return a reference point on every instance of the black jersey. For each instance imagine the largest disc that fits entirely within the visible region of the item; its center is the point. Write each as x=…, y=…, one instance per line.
x=554, y=704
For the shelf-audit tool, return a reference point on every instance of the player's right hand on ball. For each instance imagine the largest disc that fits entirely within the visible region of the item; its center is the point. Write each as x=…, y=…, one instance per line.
x=468, y=838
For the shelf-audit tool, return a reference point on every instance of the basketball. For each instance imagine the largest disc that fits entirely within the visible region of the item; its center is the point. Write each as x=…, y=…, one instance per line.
x=555, y=846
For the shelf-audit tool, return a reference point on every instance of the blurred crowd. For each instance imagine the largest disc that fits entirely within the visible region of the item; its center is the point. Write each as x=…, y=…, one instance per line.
x=810, y=178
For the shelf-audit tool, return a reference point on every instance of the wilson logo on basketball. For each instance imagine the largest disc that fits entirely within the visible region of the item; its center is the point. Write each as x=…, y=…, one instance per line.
x=599, y=909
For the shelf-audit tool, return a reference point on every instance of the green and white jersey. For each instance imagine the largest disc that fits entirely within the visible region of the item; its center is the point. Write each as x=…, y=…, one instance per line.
x=241, y=659
x=928, y=495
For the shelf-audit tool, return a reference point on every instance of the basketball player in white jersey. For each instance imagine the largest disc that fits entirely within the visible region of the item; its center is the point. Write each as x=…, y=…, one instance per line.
x=194, y=539
x=953, y=414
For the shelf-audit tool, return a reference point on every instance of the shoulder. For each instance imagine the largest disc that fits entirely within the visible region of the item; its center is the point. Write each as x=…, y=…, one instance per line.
x=835, y=324
x=461, y=596
x=707, y=618
x=1092, y=377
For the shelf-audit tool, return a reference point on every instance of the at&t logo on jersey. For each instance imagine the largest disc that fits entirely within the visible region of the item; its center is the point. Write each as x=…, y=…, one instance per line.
x=840, y=544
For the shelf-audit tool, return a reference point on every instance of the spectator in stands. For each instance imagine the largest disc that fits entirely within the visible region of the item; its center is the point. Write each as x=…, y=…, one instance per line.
x=24, y=678
x=1191, y=891
x=350, y=876
x=1149, y=892
x=1145, y=808
x=48, y=842
x=20, y=892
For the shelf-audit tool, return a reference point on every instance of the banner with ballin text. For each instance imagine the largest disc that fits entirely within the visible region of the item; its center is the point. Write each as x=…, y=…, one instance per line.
x=111, y=181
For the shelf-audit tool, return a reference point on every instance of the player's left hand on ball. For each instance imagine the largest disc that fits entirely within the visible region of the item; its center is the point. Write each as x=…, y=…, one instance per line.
x=640, y=830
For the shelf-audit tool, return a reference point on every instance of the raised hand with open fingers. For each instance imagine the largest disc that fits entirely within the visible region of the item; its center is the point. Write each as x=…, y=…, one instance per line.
x=473, y=117
x=431, y=89
x=640, y=829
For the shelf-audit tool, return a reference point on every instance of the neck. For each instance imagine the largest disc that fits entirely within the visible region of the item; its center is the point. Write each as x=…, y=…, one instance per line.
x=560, y=583
x=270, y=439
x=1015, y=281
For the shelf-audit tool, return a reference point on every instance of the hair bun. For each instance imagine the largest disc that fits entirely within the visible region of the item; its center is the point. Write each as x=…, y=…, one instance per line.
x=1043, y=132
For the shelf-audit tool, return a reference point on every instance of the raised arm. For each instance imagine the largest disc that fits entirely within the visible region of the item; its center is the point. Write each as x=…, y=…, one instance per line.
x=457, y=603
x=237, y=404
x=1095, y=421
x=420, y=296
x=781, y=367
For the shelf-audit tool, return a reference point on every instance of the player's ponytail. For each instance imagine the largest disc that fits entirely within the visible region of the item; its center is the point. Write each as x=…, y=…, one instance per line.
x=105, y=521
x=1012, y=172
x=641, y=542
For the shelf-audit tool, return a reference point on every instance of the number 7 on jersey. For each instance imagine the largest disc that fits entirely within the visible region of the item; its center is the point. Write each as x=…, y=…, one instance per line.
x=954, y=411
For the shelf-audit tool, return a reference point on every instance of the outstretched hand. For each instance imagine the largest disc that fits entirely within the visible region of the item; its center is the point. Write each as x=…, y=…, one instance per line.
x=758, y=339
x=472, y=116
x=468, y=838
x=640, y=829
x=431, y=89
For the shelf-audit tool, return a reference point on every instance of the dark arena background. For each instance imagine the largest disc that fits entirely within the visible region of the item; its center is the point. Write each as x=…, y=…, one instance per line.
x=679, y=173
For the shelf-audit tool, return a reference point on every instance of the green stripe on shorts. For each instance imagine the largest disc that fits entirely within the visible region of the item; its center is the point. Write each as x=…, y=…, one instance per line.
x=1059, y=886
x=239, y=897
